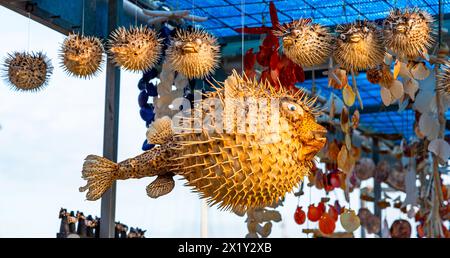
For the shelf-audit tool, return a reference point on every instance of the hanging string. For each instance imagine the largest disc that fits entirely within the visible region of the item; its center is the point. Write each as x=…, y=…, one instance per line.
x=242, y=34
x=29, y=31
x=82, y=20
x=135, y=13
x=344, y=10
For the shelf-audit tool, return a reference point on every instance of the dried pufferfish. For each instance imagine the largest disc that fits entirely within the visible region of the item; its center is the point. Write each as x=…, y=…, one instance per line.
x=359, y=46
x=443, y=79
x=135, y=49
x=81, y=56
x=27, y=71
x=194, y=53
x=305, y=43
x=236, y=169
x=408, y=33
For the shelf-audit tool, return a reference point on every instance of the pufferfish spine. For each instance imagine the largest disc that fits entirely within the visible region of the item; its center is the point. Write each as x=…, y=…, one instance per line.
x=408, y=33
x=241, y=164
x=194, y=53
x=359, y=46
x=443, y=79
x=305, y=43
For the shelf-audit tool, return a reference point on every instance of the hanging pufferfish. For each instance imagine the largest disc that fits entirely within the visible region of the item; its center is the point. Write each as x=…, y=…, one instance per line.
x=235, y=169
x=408, y=33
x=81, y=55
x=443, y=79
x=25, y=71
x=135, y=49
x=305, y=43
x=359, y=46
x=193, y=53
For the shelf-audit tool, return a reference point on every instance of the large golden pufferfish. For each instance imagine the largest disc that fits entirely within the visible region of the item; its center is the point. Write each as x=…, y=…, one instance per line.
x=236, y=168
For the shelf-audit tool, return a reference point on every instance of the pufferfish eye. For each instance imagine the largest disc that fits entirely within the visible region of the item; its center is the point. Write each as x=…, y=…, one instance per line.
x=198, y=41
x=342, y=36
x=292, y=107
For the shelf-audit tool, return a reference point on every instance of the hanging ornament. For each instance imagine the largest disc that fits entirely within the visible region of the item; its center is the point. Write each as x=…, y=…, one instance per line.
x=314, y=213
x=327, y=225
x=81, y=56
x=135, y=49
x=299, y=216
x=349, y=220
x=194, y=53
x=305, y=43
x=408, y=33
x=443, y=83
x=359, y=46
x=27, y=71
x=374, y=75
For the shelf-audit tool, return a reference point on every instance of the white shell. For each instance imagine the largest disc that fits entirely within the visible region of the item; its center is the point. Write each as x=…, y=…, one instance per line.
x=429, y=126
x=411, y=86
x=396, y=89
x=404, y=71
x=441, y=149
x=386, y=96
x=420, y=71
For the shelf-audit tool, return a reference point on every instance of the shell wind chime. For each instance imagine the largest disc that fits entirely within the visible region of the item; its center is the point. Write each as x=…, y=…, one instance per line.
x=194, y=53
x=235, y=169
x=135, y=49
x=305, y=43
x=81, y=56
x=25, y=71
x=359, y=46
x=408, y=33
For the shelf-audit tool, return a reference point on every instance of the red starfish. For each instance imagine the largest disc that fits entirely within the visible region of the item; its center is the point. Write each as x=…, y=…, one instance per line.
x=269, y=58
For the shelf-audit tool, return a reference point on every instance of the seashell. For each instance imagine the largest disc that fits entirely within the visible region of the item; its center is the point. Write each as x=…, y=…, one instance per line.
x=374, y=75
x=373, y=225
x=251, y=235
x=350, y=221
x=386, y=77
x=429, y=126
x=400, y=229
x=388, y=59
x=397, y=66
x=265, y=230
x=345, y=161
x=364, y=168
x=396, y=89
x=410, y=87
x=404, y=71
x=345, y=125
x=441, y=149
x=341, y=75
x=326, y=224
x=364, y=215
x=348, y=95
x=386, y=96
x=419, y=71
x=333, y=150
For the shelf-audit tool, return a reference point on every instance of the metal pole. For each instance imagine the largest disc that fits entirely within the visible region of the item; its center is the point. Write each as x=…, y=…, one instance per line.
x=376, y=184
x=111, y=126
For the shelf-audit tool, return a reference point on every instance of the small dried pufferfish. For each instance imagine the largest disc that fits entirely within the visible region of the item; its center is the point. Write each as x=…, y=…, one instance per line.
x=81, y=56
x=408, y=33
x=27, y=71
x=135, y=49
x=443, y=79
x=305, y=43
x=226, y=162
x=194, y=53
x=359, y=46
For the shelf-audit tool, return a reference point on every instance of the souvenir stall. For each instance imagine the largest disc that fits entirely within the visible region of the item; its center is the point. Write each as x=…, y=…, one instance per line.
x=253, y=102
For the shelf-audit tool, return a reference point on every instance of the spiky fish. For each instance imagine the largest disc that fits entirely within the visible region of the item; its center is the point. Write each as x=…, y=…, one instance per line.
x=408, y=33
x=194, y=53
x=359, y=46
x=443, y=79
x=305, y=43
x=240, y=163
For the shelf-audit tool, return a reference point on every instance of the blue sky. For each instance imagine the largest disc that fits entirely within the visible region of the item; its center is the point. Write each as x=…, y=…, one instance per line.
x=46, y=135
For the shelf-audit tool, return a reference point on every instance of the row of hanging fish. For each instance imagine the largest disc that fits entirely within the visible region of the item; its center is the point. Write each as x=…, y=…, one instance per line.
x=193, y=53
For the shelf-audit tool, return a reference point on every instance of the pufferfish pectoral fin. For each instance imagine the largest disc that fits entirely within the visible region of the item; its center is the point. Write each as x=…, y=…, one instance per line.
x=162, y=185
x=160, y=131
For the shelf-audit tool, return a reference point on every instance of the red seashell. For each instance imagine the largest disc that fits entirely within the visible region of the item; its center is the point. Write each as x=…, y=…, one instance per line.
x=299, y=216
x=321, y=206
x=333, y=212
x=314, y=213
x=326, y=224
x=334, y=179
x=420, y=231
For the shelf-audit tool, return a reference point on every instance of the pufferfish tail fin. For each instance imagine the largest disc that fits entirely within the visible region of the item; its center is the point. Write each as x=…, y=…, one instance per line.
x=100, y=175
x=160, y=131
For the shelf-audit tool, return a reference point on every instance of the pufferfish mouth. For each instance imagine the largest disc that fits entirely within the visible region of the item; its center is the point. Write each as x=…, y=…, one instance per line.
x=189, y=48
x=400, y=28
x=355, y=38
x=288, y=42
